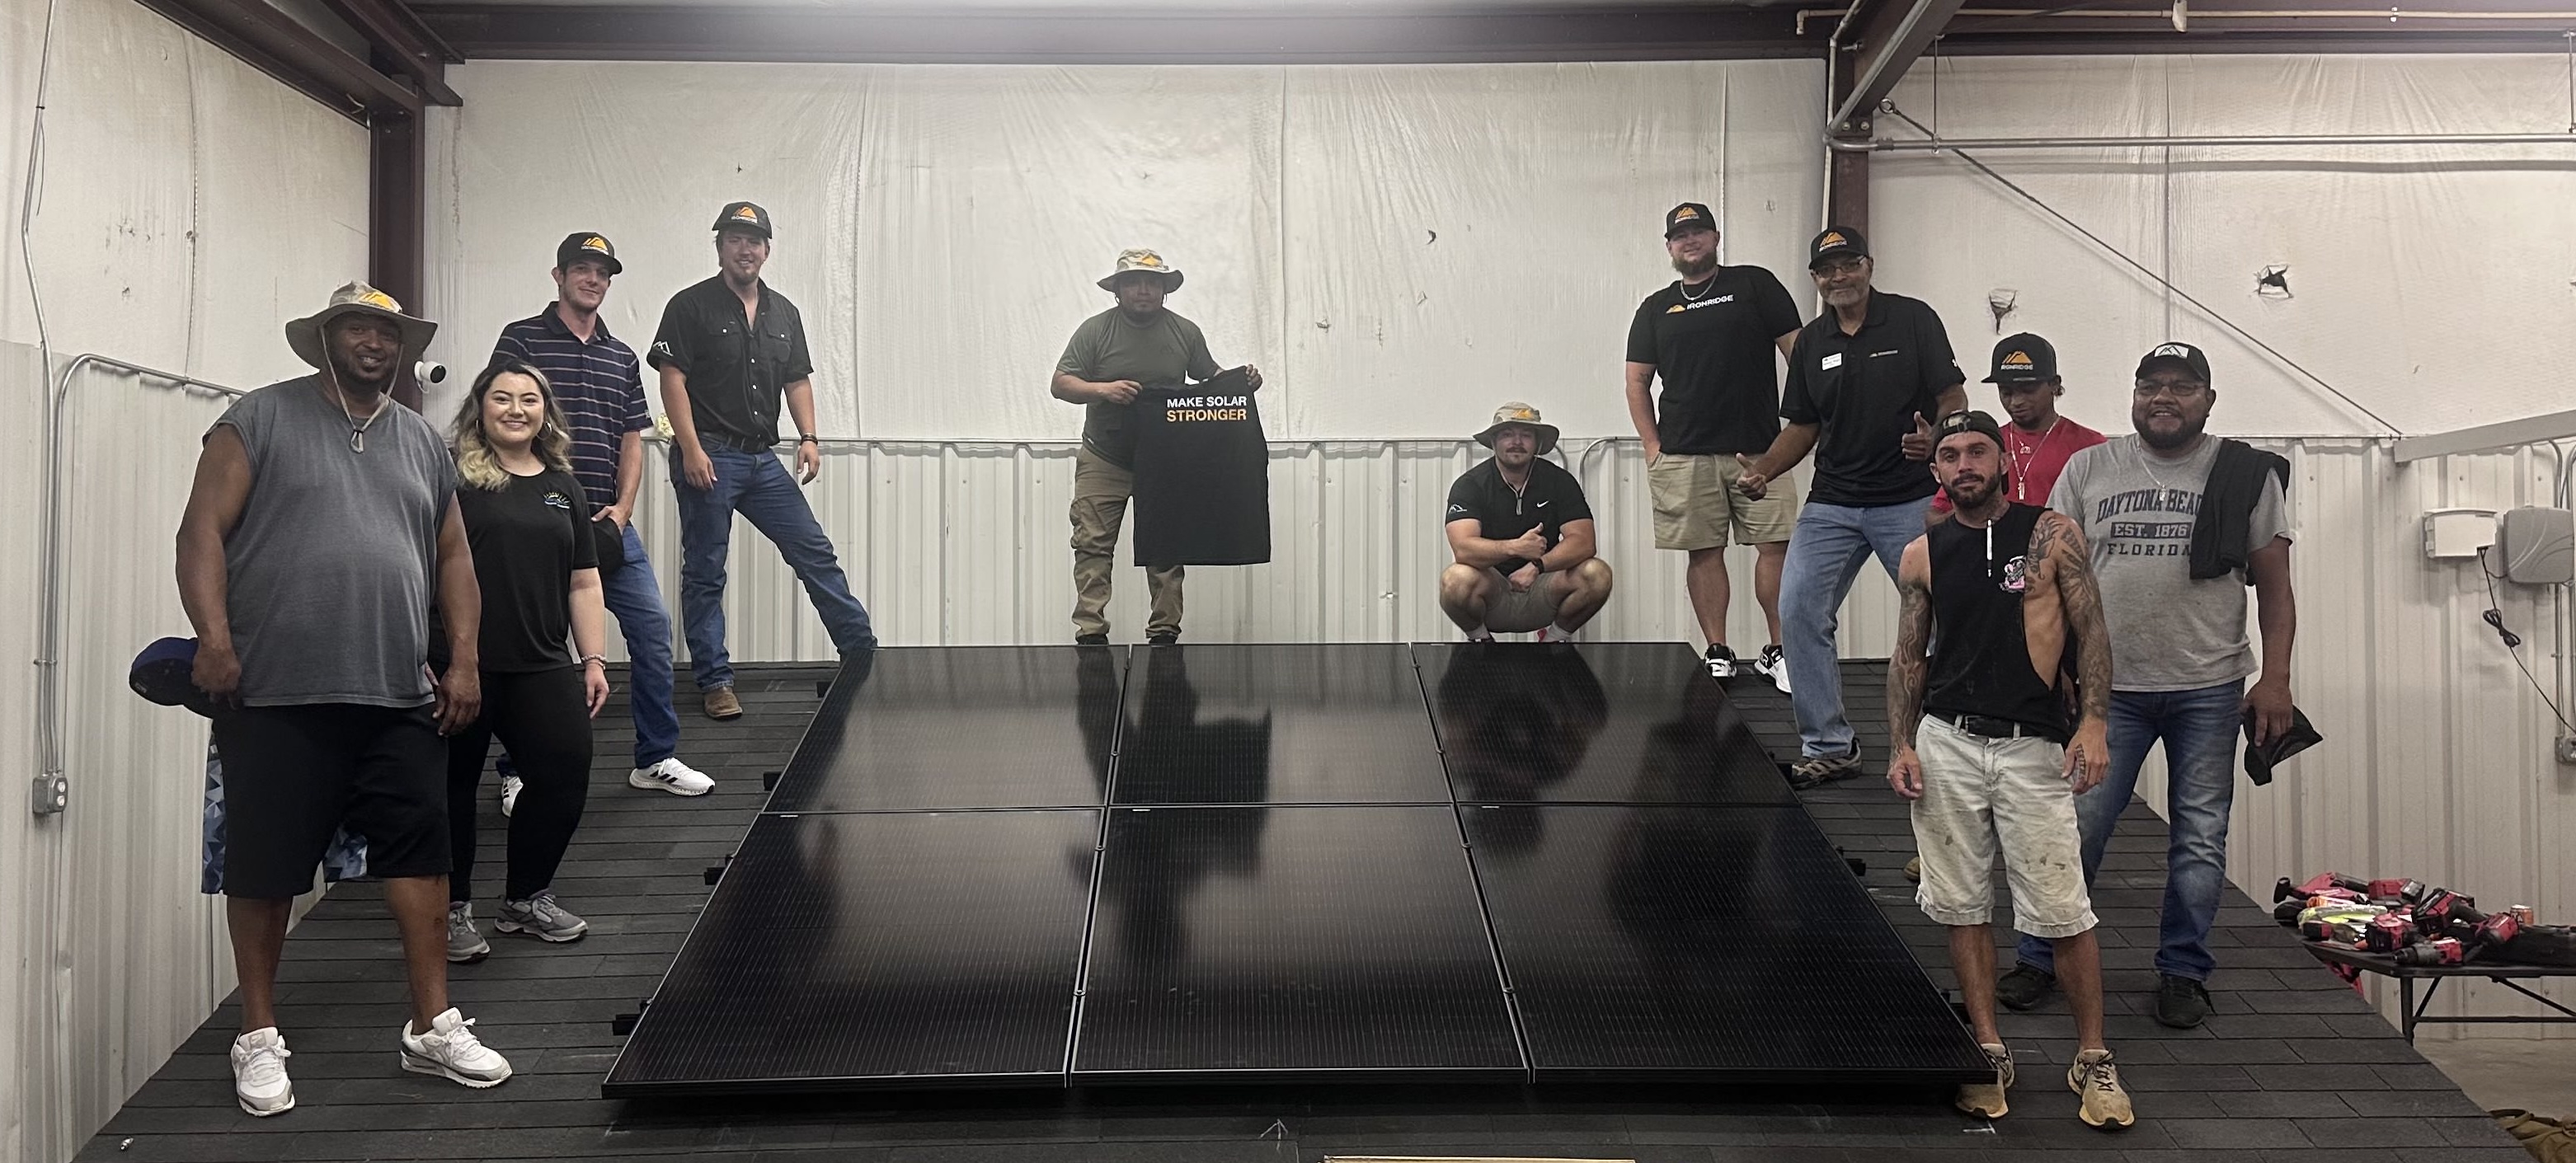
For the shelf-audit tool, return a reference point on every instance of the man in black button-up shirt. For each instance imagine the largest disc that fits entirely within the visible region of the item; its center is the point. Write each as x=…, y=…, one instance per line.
x=1866, y=380
x=730, y=350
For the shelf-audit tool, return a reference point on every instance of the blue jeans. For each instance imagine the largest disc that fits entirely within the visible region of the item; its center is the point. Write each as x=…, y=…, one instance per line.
x=761, y=489
x=636, y=599
x=2199, y=729
x=1826, y=551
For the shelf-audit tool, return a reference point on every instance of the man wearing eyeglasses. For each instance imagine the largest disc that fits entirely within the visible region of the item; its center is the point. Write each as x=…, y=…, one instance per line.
x=2181, y=524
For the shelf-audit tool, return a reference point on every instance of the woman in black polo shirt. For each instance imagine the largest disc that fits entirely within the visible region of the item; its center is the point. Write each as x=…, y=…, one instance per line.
x=539, y=571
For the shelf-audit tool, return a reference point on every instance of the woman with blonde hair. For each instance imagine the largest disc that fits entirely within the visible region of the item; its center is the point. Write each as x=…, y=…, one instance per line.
x=529, y=528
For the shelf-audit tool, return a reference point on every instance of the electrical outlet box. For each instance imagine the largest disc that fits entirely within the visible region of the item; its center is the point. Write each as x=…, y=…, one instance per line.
x=2450, y=534
x=2537, y=546
x=2567, y=749
x=53, y=793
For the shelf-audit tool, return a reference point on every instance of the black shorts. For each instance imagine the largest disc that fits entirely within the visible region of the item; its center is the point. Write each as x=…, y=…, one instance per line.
x=293, y=775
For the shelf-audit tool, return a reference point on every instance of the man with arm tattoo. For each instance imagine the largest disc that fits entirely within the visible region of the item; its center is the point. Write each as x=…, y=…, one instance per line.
x=2181, y=524
x=1984, y=750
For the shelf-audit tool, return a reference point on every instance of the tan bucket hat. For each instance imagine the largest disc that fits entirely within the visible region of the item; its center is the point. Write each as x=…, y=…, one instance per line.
x=305, y=335
x=1142, y=260
x=1524, y=416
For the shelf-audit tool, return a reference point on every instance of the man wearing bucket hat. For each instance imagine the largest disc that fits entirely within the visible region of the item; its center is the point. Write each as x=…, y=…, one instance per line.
x=730, y=351
x=321, y=527
x=1136, y=345
x=1521, y=535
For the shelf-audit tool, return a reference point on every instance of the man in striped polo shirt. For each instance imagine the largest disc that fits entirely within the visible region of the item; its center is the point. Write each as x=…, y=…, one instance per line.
x=601, y=386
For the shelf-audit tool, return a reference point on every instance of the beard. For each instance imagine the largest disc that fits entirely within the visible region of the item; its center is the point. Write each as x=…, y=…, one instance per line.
x=2184, y=435
x=1974, y=495
x=352, y=377
x=1692, y=272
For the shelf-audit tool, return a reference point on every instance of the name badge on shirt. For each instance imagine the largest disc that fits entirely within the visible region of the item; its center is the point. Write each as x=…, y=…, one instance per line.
x=1830, y=362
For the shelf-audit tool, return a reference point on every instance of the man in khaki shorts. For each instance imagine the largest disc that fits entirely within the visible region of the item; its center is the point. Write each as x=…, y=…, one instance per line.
x=1984, y=750
x=1711, y=335
x=1522, y=538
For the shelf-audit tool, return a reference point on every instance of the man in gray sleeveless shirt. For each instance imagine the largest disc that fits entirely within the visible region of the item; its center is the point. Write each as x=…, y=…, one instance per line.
x=321, y=526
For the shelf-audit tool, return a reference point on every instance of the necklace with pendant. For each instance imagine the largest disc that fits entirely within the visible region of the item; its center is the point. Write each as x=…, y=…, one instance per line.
x=358, y=428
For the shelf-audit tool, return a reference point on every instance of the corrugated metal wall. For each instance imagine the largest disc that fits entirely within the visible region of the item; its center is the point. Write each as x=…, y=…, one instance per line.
x=2438, y=763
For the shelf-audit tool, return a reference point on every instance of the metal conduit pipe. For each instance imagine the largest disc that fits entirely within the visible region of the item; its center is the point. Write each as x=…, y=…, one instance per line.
x=49, y=698
x=2392, y=15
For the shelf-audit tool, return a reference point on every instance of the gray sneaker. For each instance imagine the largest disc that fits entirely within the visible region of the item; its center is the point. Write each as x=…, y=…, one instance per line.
x=1814, y=770
x=465, y=945
x=540, y=916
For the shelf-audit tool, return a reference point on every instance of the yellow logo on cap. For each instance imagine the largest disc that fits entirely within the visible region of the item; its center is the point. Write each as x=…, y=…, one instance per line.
x=1684, y=212
x=381, y=299
x=1524, y=414
x=1831, y=238
x=1149, y=259
x=2017, y=359
x=2173, y=349
x=595, y=242
x=747, y=214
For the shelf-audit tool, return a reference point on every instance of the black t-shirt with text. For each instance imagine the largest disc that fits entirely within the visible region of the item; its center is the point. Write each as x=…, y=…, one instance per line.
x=528, y=536
x=1202, y=475
x=1864, y=390
x=1551, y=499
x=738, y=370
x=1715, y=349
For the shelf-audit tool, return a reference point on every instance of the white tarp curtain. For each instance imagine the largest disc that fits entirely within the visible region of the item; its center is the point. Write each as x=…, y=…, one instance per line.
x=2429, y=283
x=1400, y=248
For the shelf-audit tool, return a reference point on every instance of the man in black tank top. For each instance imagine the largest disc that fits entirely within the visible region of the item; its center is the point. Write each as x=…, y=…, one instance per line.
x=1985, y=750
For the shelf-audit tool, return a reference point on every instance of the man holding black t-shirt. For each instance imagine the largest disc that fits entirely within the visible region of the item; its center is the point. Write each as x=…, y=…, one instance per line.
x=730, y=351
x=1129, y=348
x=1711, y=335
x=1522, y=536
x=1864, y=378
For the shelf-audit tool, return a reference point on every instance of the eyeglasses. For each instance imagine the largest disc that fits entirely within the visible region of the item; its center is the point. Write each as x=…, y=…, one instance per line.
x=2181, y=391
x=1840, y=266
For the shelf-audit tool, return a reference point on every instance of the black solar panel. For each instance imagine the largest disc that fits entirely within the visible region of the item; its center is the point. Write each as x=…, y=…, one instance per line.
x=875, y=950
x=1619, y=722
x=960, y=727
x=1277, y=724
x=1729, y=942
x=1275, y=942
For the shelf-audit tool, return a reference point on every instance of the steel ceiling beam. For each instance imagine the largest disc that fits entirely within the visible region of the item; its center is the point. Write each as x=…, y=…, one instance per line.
x=1061, y=36
x=272, y=42
x=403, y=43
x=1885, y=39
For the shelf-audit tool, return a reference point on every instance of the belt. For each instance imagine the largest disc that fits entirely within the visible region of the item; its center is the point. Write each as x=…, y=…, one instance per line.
x=736, y=443
x=1990, y=727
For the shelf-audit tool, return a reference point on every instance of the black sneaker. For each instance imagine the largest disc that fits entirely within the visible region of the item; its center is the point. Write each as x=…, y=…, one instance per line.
x=1163, y=638
x=1819, y=770
x=1091, y=640
x=2181, y=1002
x=1721, y=661
x=2024, y=986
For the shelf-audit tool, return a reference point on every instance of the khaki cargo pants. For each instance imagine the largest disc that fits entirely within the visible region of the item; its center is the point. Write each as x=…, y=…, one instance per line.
x=1100, y=492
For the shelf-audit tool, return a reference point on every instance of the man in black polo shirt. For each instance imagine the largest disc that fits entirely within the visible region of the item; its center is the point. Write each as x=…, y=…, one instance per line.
x=1865, y=380
x=730, y=350
x=1522, y=538
x=1711, y=336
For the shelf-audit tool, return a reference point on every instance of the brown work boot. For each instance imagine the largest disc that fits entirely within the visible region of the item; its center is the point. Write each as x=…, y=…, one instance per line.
x=2106, y=1102
x=1987, y=1098
x=722, y=705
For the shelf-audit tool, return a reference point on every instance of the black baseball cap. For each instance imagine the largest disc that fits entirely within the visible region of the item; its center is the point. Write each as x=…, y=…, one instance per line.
x=2169, y=352
x=1834, y=242
x=1967, y=421
x=590, y=245
x=743, y=216
x=1688, y=216
x=2024, y=359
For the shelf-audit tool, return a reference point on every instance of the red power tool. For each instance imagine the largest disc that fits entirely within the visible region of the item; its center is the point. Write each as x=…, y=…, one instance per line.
x=2438, y=951
x=2388, y=932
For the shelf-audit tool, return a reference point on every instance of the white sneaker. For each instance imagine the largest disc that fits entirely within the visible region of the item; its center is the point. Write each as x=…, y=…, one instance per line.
x=671, y=776
x=510, y=785
x=259, y=1073
x=1774, y=665
x=451, y=1051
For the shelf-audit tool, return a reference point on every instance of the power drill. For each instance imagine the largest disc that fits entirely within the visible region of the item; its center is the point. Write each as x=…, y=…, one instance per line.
x=2437, y=951
x=2389, y=932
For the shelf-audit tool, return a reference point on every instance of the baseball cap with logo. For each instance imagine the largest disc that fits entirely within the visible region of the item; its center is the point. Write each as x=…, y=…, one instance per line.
x=2024, y=359
x=1966, y=421
x=1835, y=242
x=583, y=245
x=2168, y=354
x=744, y=216
x=1688, y=216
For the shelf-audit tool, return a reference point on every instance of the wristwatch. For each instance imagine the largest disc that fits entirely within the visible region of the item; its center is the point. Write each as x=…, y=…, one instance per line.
x=808, y=437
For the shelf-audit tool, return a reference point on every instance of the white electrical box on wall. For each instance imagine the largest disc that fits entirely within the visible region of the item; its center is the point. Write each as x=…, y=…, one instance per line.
x=2450, y=534
x=2537, y=546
